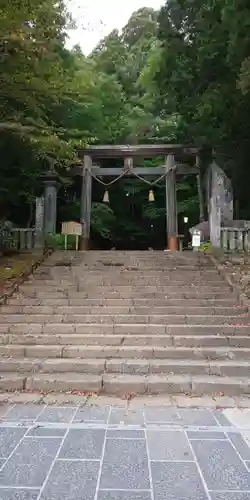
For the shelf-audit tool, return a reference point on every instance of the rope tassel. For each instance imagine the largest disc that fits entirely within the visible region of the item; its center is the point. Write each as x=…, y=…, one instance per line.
x=106, y=197
x=151, y=196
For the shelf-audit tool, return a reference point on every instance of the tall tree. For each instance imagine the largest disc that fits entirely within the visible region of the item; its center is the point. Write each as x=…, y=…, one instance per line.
x=202, y=65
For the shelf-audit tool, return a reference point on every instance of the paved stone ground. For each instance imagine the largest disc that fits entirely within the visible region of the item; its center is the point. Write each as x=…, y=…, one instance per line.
x=116, y=453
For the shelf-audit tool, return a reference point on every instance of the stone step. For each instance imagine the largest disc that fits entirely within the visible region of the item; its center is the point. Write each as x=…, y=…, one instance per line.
x=193, y=302
x=121, y=284
x=54, y=365
x=12, y=381
x=49, y=273
x=159, y=320
x=124, y=329
x=100, y=366
x=152, y=352
x=180, y=367
x=184, y=293
x=84, y=383
x=123, y=289
x=121, y=384
x=147, y=286
x=175, y=384
x=120, y=279
x=126, y=340
x=125, y=351
x=154, y=323
x=124, y=310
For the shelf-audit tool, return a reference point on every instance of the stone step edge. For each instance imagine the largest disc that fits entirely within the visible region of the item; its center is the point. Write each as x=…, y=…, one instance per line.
x=137, y=284
x=127, y=330
x=125, y=310
x=169, y=340
x=111, y=321
x=95, y=302
x=140, y=294
x=115, y=352
x=119, y=365
x=127, y=384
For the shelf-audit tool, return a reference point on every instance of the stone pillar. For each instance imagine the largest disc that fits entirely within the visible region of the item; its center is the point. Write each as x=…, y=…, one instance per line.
x=86, y=198
x=200, y=190
x=50, y=201
x=39, y=225
x=171, y=204
x=215, y=207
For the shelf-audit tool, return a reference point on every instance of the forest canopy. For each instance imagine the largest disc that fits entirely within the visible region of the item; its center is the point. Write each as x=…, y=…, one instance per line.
x=178, y=75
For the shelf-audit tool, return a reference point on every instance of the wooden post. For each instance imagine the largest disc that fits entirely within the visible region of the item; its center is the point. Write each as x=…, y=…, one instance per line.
x=50, y=202
x=171, y=204
x=86, y=196
x=128, y=164
x=200, y=190
x=82, y=209
x=39, y=234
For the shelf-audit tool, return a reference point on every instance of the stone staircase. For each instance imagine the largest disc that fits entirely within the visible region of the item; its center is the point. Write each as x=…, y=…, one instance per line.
x=125, y=323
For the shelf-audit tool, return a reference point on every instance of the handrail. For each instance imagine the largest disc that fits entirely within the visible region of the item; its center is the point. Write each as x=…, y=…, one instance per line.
x=235, y=239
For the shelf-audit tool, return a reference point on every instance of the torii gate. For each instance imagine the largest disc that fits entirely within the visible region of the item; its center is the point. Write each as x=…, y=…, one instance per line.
x=128, y=153
x=88, y=170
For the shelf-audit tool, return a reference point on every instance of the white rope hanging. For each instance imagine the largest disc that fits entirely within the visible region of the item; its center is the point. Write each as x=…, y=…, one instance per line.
x=132, y=172
x=112, y=182
x=153, y=183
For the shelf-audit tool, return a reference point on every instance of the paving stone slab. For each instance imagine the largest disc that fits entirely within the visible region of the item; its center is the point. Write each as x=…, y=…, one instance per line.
x=9, y=439
x=126, y=417
x=221, y=418
x=83, y=444
x=221, y=466
x=92, y=414
x=125, y=434
x=40, y=431
x=246, y=436
x=30, y=463
x=32, y=450
x=240, y=444
x=230, y=496
x=24, y=413
x=63, y=414
x=180, y=416
x=164, y=415
x=238, y=417
x=124, y=495
x=169, y=445
x=130, y=471
x=5, y=406
x=206, y=435
x=201, y=417
x=20, y=494
x=177, y=481
x=72, y=481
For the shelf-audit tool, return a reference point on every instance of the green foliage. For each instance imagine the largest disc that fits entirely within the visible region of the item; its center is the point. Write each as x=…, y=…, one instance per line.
x=57, y=242
x=206, y=247
x=51, y=100
x=102, y=220
x=138, y=85
x=202, y=76
x=5, y=235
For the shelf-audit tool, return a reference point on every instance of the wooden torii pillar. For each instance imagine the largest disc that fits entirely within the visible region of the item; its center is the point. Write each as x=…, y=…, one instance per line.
x=86, y=196
x=171, y=204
